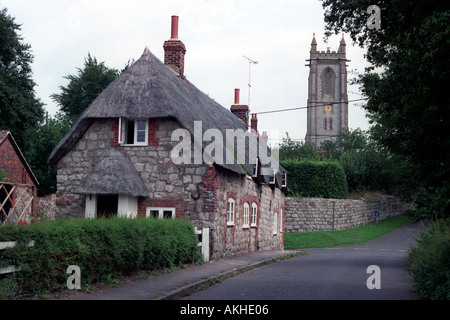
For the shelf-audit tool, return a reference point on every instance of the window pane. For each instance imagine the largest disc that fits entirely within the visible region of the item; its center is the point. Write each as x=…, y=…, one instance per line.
x=154, y=213
x=246, y=214
x=141, y=130
x=140, y=136
x=230, y=211
x=167, y=214
x=254, y=213
x=141, y=124
x=275, y=223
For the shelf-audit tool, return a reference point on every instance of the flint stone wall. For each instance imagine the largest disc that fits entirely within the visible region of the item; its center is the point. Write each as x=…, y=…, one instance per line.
x=316, y=214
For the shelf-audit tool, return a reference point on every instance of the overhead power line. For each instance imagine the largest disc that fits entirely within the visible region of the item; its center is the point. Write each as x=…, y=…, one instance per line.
x=316, y=105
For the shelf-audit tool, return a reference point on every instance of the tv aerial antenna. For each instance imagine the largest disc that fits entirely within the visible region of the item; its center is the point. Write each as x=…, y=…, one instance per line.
x=250, y=62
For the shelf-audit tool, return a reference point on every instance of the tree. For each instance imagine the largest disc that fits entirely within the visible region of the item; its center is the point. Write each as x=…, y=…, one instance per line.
x=21, y=112
x=348, y=140
x=46, y=138
x=407, y=81
x=84, y=87
x=290, y=149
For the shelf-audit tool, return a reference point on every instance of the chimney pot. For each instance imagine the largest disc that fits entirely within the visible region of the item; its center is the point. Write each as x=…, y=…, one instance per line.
x=236, y=96
x=254, y=123
x=174, y=29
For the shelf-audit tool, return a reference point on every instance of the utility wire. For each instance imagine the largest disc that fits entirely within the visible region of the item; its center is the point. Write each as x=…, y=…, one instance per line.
x=317, y=105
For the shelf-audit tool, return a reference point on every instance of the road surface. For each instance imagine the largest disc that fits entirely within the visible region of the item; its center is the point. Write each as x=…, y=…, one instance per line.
x=370, y=271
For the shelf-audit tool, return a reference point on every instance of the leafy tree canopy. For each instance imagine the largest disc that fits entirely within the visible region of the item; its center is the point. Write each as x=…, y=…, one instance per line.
x=21, y=112
x=85, y=86
x=406, y=84
x=291, y=149
x=407, y=81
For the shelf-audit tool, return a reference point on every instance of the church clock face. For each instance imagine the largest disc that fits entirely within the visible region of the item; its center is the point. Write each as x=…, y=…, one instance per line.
x=328, y=108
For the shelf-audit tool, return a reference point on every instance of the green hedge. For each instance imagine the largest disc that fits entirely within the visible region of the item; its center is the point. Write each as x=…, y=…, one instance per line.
x=430, y=262
x=307, y=178
x=102, y=248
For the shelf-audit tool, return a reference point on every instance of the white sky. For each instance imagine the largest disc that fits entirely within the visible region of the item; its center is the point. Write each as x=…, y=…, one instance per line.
x=217, y=35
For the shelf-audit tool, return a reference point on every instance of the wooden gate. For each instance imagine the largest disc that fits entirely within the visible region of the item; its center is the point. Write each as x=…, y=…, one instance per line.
x=17, y=203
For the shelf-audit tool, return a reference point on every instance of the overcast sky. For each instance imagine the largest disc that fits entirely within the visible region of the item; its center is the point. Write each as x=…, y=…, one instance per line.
x=217, y=34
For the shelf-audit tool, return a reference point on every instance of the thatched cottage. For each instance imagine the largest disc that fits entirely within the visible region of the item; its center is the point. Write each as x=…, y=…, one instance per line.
x=153, y=145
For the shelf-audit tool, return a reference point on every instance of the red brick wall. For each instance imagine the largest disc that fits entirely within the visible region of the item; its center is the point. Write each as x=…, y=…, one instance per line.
x=153, y=127
x=179, y=205
x=212, y=184
x=10, y=161
x=115, y=129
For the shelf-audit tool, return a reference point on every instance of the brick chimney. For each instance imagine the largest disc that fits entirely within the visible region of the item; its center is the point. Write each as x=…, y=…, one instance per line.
x=239, y=110
x=265, y=137
x=174, y=50
x=254, y=124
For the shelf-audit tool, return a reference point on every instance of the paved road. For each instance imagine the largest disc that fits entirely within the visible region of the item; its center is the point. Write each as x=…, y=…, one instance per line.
x=328, y=274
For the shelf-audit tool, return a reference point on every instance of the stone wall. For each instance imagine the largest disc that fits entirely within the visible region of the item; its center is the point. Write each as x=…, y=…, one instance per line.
x=46, y=207
x=316, y=214
x=168, y=184
x=229, y=240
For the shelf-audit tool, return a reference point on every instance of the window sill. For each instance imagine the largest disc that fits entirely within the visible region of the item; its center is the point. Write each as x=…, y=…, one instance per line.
x=135, y=145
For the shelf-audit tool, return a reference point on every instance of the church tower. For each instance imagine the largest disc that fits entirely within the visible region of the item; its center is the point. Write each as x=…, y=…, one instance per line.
x=327, y=94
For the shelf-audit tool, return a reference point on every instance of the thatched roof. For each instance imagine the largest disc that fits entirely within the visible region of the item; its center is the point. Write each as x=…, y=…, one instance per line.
x=150, y=89
x=113, y=174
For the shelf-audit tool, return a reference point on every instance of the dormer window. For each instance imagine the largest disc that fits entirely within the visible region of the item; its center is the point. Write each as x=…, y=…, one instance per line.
x=134, y=132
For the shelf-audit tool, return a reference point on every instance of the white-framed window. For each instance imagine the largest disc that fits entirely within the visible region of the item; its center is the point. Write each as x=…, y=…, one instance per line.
x=134, y=132
x=281, y=217
x=275, y=223
x=160, y=213
x=272, y=176
x=231, y=211
x=284, y=180
x=254, y=220
x=246, y=216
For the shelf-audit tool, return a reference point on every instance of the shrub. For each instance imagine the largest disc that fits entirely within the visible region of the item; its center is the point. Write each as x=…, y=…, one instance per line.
x=102, y=248
x=430, y=262
x=316, y=179
x=4, y=175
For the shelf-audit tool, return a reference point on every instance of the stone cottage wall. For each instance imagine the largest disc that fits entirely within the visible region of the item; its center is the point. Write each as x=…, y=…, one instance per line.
x=169, y=185
x=316, y=214
x=177, y=186
x=230, y=240
x=77, y=163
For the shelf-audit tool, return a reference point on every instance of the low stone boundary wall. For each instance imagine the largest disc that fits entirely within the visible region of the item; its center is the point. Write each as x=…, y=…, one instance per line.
x=317, y=214
x=46, y=207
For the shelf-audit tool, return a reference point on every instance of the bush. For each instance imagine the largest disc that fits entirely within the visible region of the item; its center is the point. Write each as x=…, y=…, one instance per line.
x=316, y=179
x=356, y=169
x=430, y=262
x=102, y=248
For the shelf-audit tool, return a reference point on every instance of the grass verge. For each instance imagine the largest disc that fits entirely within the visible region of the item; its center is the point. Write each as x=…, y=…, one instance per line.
x=342, y=238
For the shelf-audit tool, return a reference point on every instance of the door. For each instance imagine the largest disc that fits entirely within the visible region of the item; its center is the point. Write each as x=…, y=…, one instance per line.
x=107, y=205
